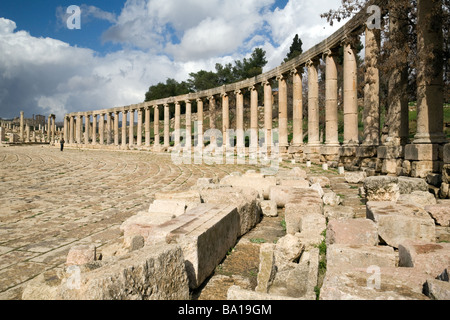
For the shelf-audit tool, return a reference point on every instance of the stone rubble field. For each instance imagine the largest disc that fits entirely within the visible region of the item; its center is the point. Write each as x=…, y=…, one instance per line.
x=135, y=226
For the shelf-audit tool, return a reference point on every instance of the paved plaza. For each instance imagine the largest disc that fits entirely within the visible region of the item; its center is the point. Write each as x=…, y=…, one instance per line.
x=52, y=200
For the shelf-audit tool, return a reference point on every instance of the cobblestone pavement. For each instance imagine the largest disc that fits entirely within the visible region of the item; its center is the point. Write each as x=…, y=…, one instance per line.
x=52, y=200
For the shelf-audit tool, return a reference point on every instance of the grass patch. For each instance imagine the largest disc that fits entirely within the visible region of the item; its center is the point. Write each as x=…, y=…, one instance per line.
x=283, y=224
x=322, y=264
x=257, y=240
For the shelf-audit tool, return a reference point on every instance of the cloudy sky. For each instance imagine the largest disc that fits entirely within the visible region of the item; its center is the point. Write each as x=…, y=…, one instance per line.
x=123, y=47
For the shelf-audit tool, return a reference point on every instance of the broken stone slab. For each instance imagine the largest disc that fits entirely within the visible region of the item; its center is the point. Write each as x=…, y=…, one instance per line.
x=267, y=268
x=338, y=212
x=303, y=216
x=237, y=293
x=340, y=256
x=204, y=181
x=298, y=172
x=292, y=282
x=318, y=188
x=397, y=222
x=355, y=177
x=284, y=194
x=246, y=200
x=437, y=289
x=331, y=199
x=429, y=258
x=381, y=188
x=205, y=240
x=173, y=207
x=288, y=250
x=408, y=185
x=376, y=283
x=322, y=180
x=260, y=184
x=352, y=232
x=418, y=198
x=300, y=183
x=81, y=254
x=269, y=208
x=152, y=273
x=190, y=197
x=440, y=212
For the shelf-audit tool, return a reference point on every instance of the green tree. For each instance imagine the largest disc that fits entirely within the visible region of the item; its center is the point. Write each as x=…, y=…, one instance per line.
x=295, y=49
x=166, y=90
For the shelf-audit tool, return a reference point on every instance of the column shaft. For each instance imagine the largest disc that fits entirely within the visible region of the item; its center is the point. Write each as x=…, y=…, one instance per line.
x=116, y=128
x=177, y=123
x=297, y=108
x=94, y=129
x=268, y=113
x=331, y=100
x=139, y=128
x=124, y=128
x=254, y=118
x=101, y=129
x=87, y=121
x=240, y=143
x=156, y=126
x=350, y=96
x=131, y=129
x=147, y=126
x=200, y=142
x=282, y=112
x=71, y=129
x=225, y=119
x=313, y=104
x=166, y=126
x=188, y=142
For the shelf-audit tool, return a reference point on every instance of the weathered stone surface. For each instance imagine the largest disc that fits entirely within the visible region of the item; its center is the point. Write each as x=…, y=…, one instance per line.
x=298, y=172
x=267, y=268
x=430, y=258
x=152, y=273
x=437, y=289
x=81, y=254
x=331, y=199
x=408, y=185
x=359, y=284
x=236, y=293
x=355, y=176
x=287, y=250
x=381, y=188
x=318, y=188
x=283, y=195
x=352, y=232
x=299, y=183
x=440, y=213
x=204, y=181
x=338, y=212
x=269, y=208
x=190, y=197
x=296, y=215
x=397, y=222
x=260, y=184
x=173, y=207
x=322, y=180
x=341, y=256
x=418, y=198
x=246, y=200
x=45, y=286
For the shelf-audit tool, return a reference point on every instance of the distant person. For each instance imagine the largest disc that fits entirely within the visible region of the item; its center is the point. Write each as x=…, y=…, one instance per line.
x=62, y=144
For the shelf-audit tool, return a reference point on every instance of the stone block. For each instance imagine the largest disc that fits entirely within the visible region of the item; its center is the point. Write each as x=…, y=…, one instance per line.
x=338, y=212
x=284, y=194
x=173, y=207
x=347, y=151
x=267, y=268
x=437, y=289
x=288, y=250
x=322, y=180
x=345, y=257
x=269, y=208
x=206, y=239
x=204, y=181
x=361, y=284
x=260, y=184
x=152, y=273
x=352, y=232
x=427, y=257
x=191, y=197
x=331, y=199
x=446, y=153
x=246, y=200
x=318, y=188
x=381, y=188
x=390, y=152
x=355, y=177
x=408, y=185
x=418, y=198
x=390, y=166
x=300, y=183
x=81, y=254
x=440, y=212
x=295, y=213
x=422, y=152
x=420, y=169
x=366, y=151
x=397, y=222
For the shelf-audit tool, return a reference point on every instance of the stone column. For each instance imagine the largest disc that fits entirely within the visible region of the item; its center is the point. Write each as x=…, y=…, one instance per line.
x=147, y=126
x=188, y=142
x=282, y=113
x=66, y=129
x=79, y=128
x=430, y=99
x=87, y=122
x=94, y=129
x=21, y=133
x=101, y=129
x=371, y=116
x=297, y=108
x=350, y=95
x=116, y=128
x=225, y=119
x=331, y=98
x=49, y=128
x=200, y=142
x=27, y=133
x=124, y=128
x=53, y=129
x=240, y=142
x=139, y=128
x=156, y=127
x=254, y=119
x=131, y=128
x=268, y=114
x=313, y=103
x=212, y=112
x=166, y=126
x=71, y=129
x=177, y=125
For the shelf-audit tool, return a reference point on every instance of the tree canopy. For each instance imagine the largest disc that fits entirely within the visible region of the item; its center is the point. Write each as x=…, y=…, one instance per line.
x=295, y=50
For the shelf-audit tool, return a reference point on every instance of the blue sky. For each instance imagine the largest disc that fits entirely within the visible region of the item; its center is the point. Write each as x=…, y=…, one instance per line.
x=123, y=47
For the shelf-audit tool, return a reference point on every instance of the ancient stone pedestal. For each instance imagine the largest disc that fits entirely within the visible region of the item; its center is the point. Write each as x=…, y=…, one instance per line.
x=424, y=159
